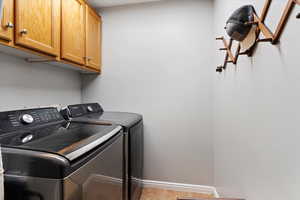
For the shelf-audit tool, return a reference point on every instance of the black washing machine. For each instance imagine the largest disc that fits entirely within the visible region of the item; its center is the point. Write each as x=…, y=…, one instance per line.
x=133, y=128
x=46, y=157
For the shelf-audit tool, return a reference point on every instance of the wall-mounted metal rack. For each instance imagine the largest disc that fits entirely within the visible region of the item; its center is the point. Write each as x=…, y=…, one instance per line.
x=262, y=28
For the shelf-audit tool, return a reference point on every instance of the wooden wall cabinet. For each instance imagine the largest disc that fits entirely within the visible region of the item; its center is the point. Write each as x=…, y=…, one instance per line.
x=93, y=39
x=73, y=31
x=7, y=22
x=61, y=32
x=38, y=25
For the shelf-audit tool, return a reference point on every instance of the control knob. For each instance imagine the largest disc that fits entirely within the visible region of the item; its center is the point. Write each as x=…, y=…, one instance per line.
x=27, y=119
x=90, y=109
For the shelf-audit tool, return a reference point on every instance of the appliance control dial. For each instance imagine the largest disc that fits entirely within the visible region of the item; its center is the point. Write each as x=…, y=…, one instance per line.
x=90, y=109
x=27, y=119
x=27, y=138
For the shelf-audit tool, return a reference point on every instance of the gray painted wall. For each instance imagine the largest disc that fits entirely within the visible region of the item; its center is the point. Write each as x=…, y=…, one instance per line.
x=256, y=114
x=29, y=85
x=157, y=61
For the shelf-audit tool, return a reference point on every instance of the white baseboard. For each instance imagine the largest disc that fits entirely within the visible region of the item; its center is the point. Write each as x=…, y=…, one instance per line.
x=181, y=187
x=216, y=194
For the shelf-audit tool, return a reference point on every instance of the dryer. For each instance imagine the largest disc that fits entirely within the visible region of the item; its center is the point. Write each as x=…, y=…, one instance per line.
x=132, y=123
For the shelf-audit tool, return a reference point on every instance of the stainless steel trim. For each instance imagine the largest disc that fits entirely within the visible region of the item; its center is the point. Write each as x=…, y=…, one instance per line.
x=32, y=152
x=81, y=151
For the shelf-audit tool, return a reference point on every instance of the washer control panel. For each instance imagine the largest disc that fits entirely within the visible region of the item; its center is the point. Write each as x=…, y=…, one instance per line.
x=27, y=119
x=84, y=109
x=89, y=108
x=22, y=118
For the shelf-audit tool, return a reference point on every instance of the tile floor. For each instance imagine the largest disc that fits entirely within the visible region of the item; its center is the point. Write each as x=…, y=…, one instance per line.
x=161, y=194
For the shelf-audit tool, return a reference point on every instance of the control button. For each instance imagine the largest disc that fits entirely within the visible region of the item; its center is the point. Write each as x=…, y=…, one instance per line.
x=27, y=138
x=27, y=119
x=90, y=109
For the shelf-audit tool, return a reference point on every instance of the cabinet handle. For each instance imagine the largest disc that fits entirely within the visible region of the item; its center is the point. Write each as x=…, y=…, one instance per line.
x=9, y=25
x=24, y=31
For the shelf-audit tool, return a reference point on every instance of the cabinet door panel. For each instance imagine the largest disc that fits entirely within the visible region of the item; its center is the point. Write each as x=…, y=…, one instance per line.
x=6, y=28
x=38, y=25
x=73, y=31
x=93, y=39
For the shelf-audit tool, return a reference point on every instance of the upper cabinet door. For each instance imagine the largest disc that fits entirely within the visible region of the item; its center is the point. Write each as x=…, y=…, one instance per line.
x=7, y=22
x=73, y=31
x=93, y=39
x=38, y=25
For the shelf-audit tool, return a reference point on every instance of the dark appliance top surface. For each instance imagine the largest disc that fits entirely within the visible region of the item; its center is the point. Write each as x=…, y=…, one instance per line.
x=59, y=140
x=94, y=112
x=122, y=118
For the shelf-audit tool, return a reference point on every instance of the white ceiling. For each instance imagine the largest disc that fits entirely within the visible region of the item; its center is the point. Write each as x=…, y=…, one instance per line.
x=110, y=3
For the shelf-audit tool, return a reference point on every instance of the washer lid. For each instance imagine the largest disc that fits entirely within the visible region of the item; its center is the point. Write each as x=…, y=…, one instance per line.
x=71, y=142
x=75, y=141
